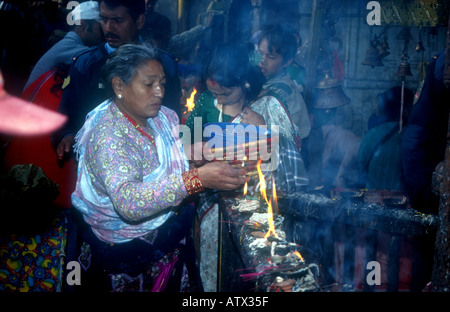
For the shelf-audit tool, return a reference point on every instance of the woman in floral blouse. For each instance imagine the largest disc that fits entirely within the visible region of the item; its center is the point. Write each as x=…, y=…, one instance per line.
x=134, y=179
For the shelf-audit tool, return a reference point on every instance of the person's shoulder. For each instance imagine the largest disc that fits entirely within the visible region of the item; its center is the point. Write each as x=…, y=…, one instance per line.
x=89, y=57
x=166, y=56
x=282, y=82
x=168, y=61
x=378, y=131
x=205, y=99
x=170, y=114
x=109, y=128
x=439, y=58
x=206, y=95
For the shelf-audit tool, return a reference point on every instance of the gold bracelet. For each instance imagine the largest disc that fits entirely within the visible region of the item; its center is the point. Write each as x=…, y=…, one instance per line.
x=192, y=182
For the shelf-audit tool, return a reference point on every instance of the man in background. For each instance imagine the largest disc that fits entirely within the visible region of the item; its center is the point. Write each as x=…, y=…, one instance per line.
x=87, y=32
x=157, y=28
x=121, y=22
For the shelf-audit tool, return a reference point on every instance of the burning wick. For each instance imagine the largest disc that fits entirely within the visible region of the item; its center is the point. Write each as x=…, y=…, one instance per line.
x=274, y=193
x=244, y=159
x=299, y=255
x=190, y=101
x=269, y=203
x=245, y=185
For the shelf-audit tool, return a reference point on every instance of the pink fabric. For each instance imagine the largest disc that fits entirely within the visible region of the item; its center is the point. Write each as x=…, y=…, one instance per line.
x=163, y=277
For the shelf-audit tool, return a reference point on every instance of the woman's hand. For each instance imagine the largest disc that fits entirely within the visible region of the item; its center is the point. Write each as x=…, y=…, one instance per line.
x=250, y=117
x=64, y=146
x=194, y=153
x=221, y=176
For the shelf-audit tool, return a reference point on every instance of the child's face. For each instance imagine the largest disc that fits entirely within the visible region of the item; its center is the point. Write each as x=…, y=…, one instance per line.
x=271, y=62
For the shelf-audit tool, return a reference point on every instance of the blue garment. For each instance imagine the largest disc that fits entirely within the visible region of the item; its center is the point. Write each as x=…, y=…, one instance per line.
x=63, y=52
x=83, y=92
x=379, y=157
x=425, y=138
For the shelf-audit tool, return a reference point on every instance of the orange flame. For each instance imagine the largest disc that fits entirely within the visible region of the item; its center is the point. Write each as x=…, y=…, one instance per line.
x=262, y=180
x=299, y=255
x=262, y=188
x=274, y=193
x=190, y=101
x=246, y=185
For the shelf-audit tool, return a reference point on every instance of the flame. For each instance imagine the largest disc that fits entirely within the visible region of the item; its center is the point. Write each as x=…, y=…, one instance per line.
x=299, y=255
x=269, y=203
x=274, y=193
x=246, y=185
x=262, y=180
x=190, y=101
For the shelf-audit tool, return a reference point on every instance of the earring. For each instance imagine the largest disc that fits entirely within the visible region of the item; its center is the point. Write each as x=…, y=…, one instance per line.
x=119, y=96
x=247, y=85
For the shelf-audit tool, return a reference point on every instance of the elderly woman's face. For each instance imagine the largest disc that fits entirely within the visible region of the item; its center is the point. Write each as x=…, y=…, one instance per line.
x=142, y=97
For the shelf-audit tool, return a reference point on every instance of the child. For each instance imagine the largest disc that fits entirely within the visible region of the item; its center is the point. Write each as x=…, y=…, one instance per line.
x=278, y=47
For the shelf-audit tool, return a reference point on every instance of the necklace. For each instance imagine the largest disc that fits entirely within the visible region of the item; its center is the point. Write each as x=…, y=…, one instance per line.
x=139, y=128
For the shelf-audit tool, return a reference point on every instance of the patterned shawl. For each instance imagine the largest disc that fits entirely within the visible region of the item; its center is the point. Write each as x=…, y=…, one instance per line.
x=97, y=208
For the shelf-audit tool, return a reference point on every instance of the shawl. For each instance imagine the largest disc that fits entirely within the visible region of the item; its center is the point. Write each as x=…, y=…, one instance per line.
x=98, y=209
x=274, y=114
x=291, y=174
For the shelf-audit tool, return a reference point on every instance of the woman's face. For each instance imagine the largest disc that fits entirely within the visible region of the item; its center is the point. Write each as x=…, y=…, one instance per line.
x=142, y=97
x=225, y=96
x=271, y=62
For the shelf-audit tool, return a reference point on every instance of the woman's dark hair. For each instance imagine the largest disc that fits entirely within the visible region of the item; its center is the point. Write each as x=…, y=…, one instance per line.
x=229, y=66
x=135, y=7
x=281, y=39
x=125, y=61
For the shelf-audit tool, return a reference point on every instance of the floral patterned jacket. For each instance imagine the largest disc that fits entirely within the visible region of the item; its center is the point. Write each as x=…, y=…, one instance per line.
x=126, y=185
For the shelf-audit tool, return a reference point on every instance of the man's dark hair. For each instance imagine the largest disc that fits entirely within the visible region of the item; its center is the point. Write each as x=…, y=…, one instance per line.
x=281, y=39
x=135, y=7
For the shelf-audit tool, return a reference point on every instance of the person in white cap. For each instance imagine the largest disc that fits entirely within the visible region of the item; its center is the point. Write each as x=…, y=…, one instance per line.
x=86, y=32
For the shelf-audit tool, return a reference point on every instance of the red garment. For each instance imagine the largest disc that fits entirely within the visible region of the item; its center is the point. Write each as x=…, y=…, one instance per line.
x=338, y=68
x=44, y=92
x=18, y=117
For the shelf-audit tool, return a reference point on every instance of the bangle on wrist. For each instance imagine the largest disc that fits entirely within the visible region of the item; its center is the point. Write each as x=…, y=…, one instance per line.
x=192, y=182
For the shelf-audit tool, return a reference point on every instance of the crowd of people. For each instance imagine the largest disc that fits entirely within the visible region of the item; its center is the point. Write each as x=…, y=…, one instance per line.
x=138, y=190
